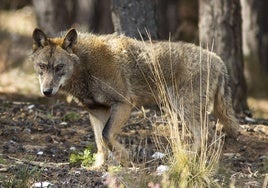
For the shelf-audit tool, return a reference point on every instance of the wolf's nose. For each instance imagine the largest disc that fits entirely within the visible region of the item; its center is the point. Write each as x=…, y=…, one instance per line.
x=47, y=92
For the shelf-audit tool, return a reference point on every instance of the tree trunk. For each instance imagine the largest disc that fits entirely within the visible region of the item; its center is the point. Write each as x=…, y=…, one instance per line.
x=255, y=44
x=131, y=17
x=220, y=24
x=84, y=11
x=102, y=17
x=54, y=15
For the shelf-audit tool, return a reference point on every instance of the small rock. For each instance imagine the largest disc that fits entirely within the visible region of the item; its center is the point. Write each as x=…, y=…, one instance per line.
x=63, y=123
x=158, y=155
x=77, y=173
x=162, y=169
x=43, y=184
x=250, y=120
x=31, y=106
x=40, y=153
x=72, y=148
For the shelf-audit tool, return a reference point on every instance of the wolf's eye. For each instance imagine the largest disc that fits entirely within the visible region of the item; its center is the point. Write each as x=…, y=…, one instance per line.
x=42, y=66
x=59, y=67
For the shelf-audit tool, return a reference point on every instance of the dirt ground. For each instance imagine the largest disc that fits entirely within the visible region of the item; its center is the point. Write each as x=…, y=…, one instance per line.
x=37, y=135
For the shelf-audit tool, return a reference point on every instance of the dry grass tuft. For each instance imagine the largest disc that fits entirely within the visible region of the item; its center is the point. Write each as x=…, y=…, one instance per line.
x=189, y=166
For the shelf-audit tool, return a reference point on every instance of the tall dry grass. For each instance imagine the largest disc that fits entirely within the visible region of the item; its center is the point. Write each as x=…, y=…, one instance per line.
x=189, y=166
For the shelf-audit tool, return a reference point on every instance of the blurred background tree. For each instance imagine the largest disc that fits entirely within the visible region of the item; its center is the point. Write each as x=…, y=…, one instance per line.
x=220, y=25
x=255, y=44
x=54, y=15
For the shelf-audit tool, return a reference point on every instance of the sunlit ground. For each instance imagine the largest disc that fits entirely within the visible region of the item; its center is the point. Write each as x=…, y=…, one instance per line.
x=16, y=81
x=16, y=73
x=259, y=107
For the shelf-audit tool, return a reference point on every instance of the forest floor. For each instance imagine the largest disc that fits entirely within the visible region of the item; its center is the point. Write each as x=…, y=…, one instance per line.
x=38, y=135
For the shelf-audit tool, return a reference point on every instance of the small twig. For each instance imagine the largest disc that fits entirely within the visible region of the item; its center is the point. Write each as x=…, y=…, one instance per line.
x=37, y=163
x=3, y=168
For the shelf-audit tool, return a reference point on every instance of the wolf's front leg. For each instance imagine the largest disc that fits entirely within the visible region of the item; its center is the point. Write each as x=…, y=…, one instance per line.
x=120, y=113
x=98, y=118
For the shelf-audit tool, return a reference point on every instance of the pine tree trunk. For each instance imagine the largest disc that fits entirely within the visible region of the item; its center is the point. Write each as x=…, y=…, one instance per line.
x=131, y=17
x=255, y=44
x=220, y=24
x=102, y=17
x=54, y=16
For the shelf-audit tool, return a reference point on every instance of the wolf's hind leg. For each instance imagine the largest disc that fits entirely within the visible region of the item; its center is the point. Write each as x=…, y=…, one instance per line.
x=120, y=113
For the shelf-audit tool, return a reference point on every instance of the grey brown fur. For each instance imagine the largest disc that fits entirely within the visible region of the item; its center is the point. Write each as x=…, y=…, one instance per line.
x=111, y=74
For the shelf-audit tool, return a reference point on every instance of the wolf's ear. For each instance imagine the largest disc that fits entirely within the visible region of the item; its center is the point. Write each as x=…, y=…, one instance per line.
x=70, y=39
x=39, y=39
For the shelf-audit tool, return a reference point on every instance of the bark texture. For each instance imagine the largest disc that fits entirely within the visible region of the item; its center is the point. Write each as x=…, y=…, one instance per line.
x=131, y=17
x=220, y=24
x=102, y=22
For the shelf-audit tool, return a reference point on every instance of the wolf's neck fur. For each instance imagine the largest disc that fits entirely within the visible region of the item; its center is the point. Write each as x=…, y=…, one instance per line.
x=93, y=54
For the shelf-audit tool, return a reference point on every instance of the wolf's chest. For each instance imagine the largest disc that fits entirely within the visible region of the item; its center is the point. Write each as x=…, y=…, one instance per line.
x=95, y=101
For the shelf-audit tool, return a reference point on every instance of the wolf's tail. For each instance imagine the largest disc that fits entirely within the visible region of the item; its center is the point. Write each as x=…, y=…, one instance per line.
x=223, y=108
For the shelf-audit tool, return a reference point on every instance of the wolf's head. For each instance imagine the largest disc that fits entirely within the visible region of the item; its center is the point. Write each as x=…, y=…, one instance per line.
x=54, y=60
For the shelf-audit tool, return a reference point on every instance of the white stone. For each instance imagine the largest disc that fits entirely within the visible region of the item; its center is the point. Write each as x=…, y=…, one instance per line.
x=158, y=155
x=40, y=153
x=43, y=184
x=162, y=169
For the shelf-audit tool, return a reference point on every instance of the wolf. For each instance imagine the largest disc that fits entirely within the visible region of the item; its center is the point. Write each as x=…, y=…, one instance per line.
x=112, y=74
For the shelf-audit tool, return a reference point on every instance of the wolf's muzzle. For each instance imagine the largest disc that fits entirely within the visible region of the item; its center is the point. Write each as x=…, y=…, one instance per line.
x=48, y=92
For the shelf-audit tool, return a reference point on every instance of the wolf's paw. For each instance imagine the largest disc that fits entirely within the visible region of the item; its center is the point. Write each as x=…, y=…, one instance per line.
x=99, y=161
